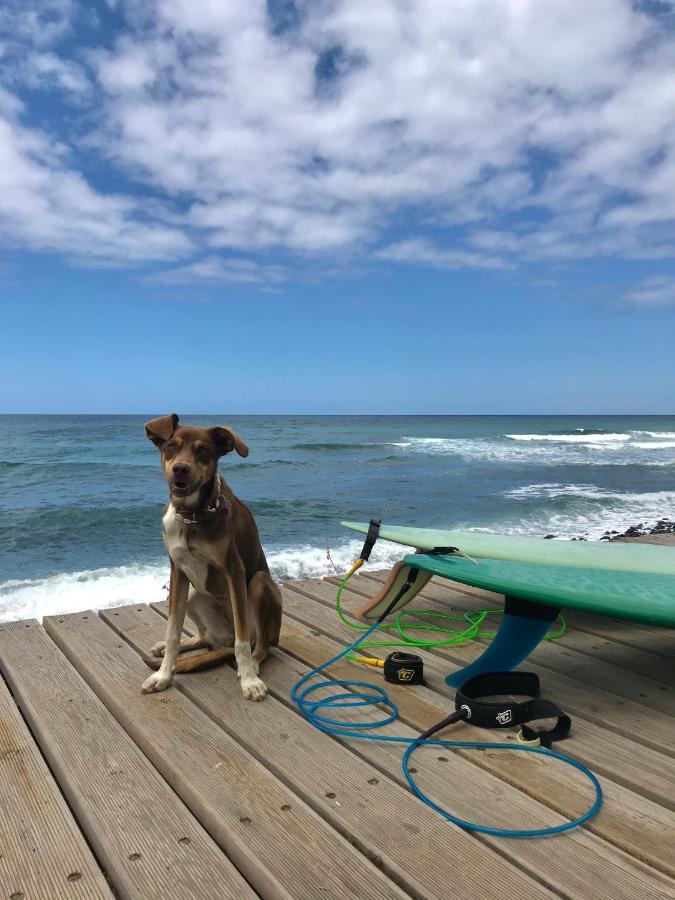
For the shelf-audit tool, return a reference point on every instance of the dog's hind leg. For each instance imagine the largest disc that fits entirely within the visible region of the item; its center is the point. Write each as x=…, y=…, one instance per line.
x=264, y=612
x=196, y=642
x=211, y=615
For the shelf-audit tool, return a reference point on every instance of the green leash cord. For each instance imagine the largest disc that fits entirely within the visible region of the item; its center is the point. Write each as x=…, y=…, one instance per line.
x=451, y=636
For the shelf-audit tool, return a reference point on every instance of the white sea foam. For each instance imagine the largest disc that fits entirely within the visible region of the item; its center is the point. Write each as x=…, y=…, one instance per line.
x=550, y=490
x=590, y=492
x=616, y=448
x=74, y=591
x=599, y=510
x=432, y=445
x=313, y=562
x=572, y=438
x=120, y=585
x=496, y=450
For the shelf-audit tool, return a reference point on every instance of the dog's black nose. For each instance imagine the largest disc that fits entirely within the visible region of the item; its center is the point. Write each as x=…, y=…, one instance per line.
x=181, y=469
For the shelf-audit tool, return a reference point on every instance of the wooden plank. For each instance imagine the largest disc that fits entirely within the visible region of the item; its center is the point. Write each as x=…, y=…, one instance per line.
x=148, y=842
x=615, y=713
x=593, y=635
x=639, y=768
x=43, y=854
x=350, y=793
x=654, y=641
x=637, y=826
x=274, y=838
x=650, y=663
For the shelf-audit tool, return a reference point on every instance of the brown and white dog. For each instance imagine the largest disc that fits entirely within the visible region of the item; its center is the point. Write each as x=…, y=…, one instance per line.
x=219, y=574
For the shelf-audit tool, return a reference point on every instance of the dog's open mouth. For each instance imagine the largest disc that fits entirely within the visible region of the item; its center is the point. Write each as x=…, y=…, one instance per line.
x=180, y=488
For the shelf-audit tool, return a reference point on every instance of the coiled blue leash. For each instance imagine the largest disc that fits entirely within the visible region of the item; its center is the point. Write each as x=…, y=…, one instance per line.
x=365, y=694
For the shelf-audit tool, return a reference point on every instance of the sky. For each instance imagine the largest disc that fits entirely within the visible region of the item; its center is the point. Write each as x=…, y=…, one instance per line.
x=330, y=206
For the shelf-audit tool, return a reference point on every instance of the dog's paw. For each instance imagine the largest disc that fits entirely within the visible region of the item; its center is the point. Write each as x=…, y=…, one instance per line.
x=253, y=688
x=158, y=648
x=156, y=682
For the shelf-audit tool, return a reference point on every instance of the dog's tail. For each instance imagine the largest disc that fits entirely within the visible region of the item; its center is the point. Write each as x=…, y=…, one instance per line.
x=195, y=663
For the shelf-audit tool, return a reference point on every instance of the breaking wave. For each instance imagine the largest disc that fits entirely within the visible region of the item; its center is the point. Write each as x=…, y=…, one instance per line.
x=576, y=438
x=584, y=446
x=121, y=585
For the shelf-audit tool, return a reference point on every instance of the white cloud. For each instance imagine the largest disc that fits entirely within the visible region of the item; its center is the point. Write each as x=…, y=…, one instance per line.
x=41, y=69
x=506, y=131
x=218, y=270
x=38, y=22
x=420, y=251
x=46, y=205
x=657, y=292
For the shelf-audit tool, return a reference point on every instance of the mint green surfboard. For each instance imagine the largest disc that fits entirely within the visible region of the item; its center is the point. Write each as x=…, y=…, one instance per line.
x=630, y=581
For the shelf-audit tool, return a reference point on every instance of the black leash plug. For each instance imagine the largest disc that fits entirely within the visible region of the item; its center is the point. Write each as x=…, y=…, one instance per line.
x=371, y=538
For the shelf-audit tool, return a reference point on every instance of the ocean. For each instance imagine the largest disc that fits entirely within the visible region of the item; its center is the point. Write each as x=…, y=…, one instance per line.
x=81, y=496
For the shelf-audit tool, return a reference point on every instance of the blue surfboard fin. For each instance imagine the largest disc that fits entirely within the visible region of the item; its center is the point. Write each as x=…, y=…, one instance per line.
x=524, y=624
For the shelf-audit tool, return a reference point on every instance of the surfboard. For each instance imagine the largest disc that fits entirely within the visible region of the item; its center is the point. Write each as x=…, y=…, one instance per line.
x=630, y=581
x=581, y=554
x=638, y=596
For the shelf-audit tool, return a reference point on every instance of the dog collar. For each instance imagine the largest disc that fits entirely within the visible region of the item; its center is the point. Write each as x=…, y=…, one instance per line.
x=220, y=504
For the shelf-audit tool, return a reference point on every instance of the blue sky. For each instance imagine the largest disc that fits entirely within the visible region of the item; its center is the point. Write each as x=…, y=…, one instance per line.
x=292, y=207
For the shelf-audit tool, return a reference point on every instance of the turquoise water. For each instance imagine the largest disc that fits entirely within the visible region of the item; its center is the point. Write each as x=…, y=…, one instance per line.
x=81, y=496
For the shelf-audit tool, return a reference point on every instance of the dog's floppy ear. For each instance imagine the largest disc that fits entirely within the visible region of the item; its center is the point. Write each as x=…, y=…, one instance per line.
x=227, y=439
x=160, y=430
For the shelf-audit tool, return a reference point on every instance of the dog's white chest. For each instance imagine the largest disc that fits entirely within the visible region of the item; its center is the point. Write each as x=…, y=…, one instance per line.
x=184, y=557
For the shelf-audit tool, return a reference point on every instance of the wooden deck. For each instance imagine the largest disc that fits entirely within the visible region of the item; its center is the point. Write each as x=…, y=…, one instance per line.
x=196, y=793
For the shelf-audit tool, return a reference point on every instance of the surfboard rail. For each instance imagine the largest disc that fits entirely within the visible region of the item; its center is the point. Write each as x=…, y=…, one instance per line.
x=515, y=548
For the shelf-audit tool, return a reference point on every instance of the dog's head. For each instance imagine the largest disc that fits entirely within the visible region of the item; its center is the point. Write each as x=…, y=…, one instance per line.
x=190, y=457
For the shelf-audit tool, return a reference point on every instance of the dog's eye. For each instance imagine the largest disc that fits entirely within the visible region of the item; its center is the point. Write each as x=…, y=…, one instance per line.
x=203, y=454
x=170, y=447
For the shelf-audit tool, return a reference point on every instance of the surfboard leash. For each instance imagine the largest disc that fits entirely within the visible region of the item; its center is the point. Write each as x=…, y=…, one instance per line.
x=469, y=706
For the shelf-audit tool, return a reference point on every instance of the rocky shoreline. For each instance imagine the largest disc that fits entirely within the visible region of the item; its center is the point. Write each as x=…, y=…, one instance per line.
x=663, y=526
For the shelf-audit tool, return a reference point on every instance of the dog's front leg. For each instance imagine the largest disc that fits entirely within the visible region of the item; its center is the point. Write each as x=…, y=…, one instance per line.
x=178, y=594
x=253, y=688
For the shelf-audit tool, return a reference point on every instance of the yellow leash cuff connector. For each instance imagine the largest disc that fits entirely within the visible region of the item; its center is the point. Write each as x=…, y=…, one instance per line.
x=369, y=661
